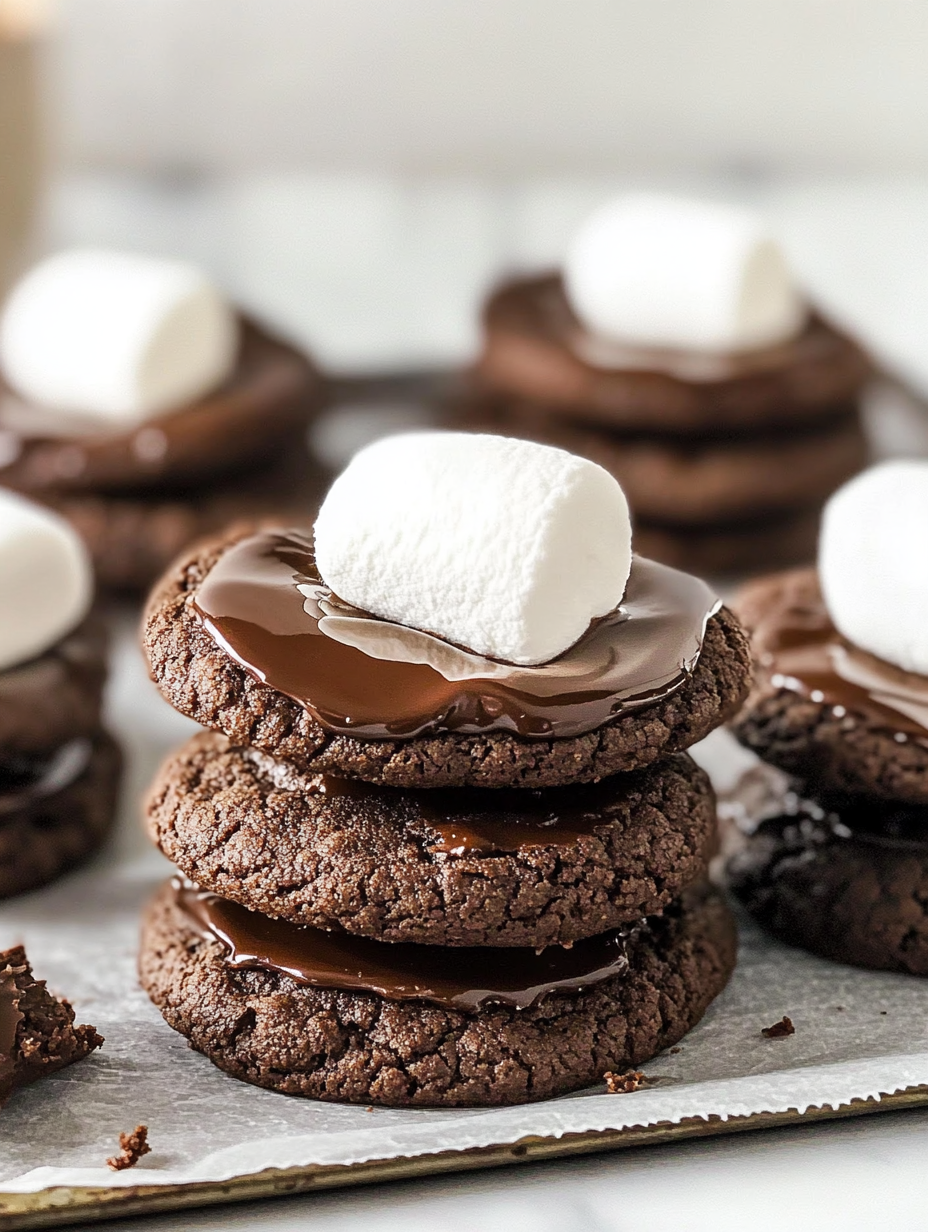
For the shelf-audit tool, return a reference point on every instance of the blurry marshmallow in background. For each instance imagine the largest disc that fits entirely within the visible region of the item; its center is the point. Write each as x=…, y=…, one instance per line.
x=22, y=25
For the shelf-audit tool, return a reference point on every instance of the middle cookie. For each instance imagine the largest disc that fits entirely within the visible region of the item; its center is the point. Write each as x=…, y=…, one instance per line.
x=440, y=867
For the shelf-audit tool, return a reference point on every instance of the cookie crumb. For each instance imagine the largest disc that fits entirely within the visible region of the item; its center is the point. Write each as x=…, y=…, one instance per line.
x=779, y=1029
x=369, y=1109
x=623, y=1084
x=674, y=1051
x=131, y=1149
x=884, y=1011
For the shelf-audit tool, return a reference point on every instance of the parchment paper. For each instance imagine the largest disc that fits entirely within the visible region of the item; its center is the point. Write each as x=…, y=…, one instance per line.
x=858, y=1034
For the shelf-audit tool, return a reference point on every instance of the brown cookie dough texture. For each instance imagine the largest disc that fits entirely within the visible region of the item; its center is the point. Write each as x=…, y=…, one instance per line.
x=528, y=352
x=844, y=898
x=267, y=836
x=45, y=1037
x=52, y=834
x=55, y=696
x=833, y=752
x=200, y=680
x=264, y=1028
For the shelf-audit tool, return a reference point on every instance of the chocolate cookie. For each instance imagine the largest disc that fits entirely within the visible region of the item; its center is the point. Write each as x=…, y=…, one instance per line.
x=200, y=679
x=691, y=482
x=837, y=718
x=739, y=547
x=37, y=1031
x=267, y=400
x=133, y=538
x=535, y=348
x=353, y=1046
x=55, y=696
x=848, y=881
x=55, y=811
x=457, y=867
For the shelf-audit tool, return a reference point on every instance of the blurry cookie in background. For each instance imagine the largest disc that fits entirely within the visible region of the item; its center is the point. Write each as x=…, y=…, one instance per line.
x=59, y=768
x=840, y=703
x=676, y=350
x=138, y=403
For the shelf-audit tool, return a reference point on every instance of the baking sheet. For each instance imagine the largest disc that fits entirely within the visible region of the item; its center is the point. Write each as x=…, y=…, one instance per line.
x=859, y=1035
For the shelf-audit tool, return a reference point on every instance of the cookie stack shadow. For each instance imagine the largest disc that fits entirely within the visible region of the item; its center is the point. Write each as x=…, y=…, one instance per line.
x=725, y=459
x=442, y=920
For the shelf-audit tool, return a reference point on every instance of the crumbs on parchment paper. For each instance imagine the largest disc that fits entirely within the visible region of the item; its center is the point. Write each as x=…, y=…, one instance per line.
x=780, y=1029
x=131, y=1149
x=624, y=1084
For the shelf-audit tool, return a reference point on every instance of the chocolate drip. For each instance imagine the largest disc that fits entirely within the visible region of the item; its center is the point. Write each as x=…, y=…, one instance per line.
x=800, y=649
x=462, y=978
x=265, y=605
x=473, y=820
x=31, y=780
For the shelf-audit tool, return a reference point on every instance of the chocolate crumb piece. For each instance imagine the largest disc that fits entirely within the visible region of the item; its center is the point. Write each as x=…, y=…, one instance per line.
x=371, y=1109
x=623, y=1084
x=674, y=1051
x=37, y=1030
x=131, y=1149
x=884, y=1011
x=779, y=1029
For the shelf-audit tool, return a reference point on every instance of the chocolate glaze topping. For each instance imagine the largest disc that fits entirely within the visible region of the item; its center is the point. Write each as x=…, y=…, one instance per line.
x=266, y=606
x=471, y=820
x=799, y=648
x=878, y=823
x=463, y=978
x=30, y=779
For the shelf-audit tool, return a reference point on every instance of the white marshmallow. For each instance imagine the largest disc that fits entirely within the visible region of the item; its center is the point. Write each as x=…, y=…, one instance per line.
x=873, y=562
x=502, y=546
x=668, y=272
x=46, y=581
x=116, y=337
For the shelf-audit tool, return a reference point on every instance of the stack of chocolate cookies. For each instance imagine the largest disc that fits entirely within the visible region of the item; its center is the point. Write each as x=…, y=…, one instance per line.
x=726, y=452
x=839, y=866
x=59, y=767
x=412, y=886
x=140, y=483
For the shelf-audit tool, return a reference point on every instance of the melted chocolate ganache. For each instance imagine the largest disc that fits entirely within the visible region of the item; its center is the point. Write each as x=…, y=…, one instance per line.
x=799, y=648
x=462, y=978
x=265, y=604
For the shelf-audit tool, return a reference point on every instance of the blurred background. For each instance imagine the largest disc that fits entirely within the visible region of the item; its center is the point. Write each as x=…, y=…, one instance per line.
x=359, y=171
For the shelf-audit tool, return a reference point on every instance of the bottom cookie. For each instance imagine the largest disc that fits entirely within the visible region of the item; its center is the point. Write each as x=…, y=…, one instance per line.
x=354, y=1045
x=56, y=811
x=848, y=882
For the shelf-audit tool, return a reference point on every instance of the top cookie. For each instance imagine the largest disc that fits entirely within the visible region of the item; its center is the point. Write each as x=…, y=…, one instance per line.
x=202, y=679
x=822, y=709
x=535, y=348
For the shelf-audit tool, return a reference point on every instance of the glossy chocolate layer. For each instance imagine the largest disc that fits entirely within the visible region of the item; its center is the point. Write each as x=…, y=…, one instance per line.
x=265, y=604
x=27, y=780
x=855, y=819
x=462, y=978
x=468, y=820
x=799, y=648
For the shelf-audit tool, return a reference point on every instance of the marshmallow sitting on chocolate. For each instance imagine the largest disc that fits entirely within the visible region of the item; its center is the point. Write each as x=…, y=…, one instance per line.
x=46, y=581
x=115, y=337
x=662, y=271
x=505, y=547
x=873, y=562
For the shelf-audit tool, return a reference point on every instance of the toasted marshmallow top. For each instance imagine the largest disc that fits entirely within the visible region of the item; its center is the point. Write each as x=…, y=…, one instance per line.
x=873, y=562
x=663, y=271
x=115, y=338
x=505, y=547
x=46, y=580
